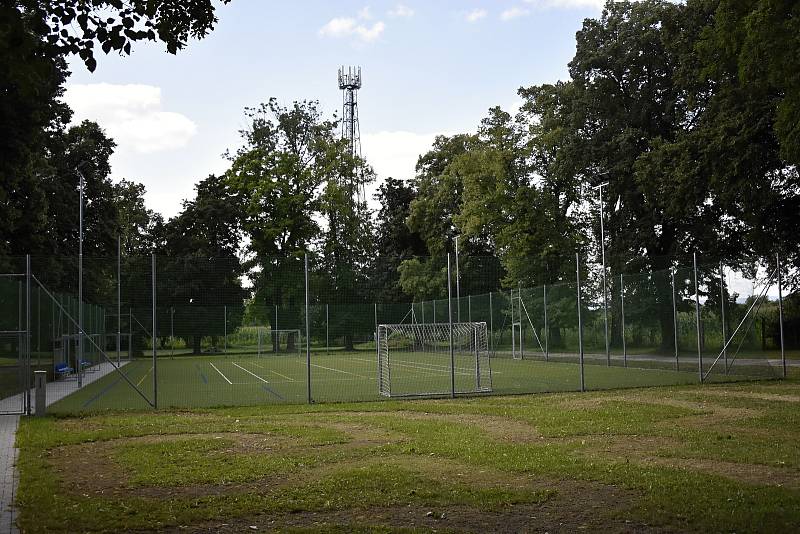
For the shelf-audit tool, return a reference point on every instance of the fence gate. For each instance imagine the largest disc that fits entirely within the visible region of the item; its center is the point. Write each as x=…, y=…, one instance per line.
x=14, y=360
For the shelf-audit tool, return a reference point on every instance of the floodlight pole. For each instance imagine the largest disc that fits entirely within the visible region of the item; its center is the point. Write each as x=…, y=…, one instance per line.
x=450, y=331
x=80, y=279
x=224, y=329
x=172, y=332
x=780, y=311
x=580, y=320
x=697, y=317
x=458, y=286
x=603, y=256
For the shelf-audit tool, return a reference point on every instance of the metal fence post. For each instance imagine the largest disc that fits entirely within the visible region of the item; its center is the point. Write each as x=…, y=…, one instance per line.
x=153, y=339
x=546, y=333
x=697, y=317
x=580, y=321
x=327, y=333
x=450, y=332
x=469, y=308
x=491, y=322
x=722, y=310
x=308, y=331
x=674, y=318
x=119, y=298
x=780, y=311
x=27, y=363
x=622, y=319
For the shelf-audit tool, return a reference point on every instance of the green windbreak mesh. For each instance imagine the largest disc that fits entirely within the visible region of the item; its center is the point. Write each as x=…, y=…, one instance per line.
x=182, y=332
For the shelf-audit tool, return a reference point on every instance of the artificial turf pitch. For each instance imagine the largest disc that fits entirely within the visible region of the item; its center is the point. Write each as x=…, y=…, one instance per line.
x=245, y=379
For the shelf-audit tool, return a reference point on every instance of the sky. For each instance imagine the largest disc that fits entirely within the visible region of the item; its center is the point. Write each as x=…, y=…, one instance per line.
x=428, y=68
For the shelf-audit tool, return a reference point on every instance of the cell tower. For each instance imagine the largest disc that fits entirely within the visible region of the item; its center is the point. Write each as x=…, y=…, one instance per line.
x=350, y=83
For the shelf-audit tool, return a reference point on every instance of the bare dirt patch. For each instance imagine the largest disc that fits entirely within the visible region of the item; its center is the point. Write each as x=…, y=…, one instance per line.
x=643, y=450
x=753, y=395
x=575, y=507
x=89, y=468
x=759, y=475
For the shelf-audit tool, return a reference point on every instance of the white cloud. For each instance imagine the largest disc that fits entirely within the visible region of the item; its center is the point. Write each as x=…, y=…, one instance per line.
x=401, y=11
x=132, y=115
x=514, y=13
x=395, y=153
x=567, y=4
x=348, y=27
x=476, y=14
x=364, y=13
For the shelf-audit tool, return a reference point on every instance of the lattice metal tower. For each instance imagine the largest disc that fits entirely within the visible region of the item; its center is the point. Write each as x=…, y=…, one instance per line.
x=350, y=83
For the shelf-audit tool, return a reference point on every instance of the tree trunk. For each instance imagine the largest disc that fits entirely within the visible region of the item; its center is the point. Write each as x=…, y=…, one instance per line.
x=290, y=342
x=348, y=342
x=554, y=337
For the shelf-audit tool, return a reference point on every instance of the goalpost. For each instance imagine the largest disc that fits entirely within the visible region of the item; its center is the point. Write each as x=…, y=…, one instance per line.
x=416, y=359
x=275, y=342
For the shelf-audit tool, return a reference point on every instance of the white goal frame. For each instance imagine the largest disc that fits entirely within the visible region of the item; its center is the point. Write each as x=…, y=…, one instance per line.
x=468, y=357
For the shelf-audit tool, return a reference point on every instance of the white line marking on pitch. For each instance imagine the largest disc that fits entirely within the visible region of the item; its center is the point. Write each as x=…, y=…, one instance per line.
x=432, y=367
x=139, y=383
x=289, y=378
x=337, y=370
x=220, y=373
x=250, y=372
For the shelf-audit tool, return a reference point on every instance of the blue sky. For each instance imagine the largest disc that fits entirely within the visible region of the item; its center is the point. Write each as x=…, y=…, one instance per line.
x=428, y=68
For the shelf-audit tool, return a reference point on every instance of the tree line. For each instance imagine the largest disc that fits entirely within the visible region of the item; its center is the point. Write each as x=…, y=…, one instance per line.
x=689, y=112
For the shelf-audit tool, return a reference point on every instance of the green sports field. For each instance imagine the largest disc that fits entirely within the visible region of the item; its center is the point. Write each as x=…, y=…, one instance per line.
x=246, y=379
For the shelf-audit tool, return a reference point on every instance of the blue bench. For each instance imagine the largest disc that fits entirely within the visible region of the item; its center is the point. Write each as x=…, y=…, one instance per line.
x=62, y=370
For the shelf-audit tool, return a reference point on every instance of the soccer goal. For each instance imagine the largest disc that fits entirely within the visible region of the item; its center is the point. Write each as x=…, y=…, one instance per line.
x=279, y=342
x=415, y=359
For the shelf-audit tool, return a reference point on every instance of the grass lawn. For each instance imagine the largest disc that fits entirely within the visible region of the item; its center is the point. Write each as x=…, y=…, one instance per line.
x=722, y=457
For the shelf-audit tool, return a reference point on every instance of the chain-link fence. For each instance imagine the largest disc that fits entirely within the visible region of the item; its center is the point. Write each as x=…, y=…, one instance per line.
x=162, y=332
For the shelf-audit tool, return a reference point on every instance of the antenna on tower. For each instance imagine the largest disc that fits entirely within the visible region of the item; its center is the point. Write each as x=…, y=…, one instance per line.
x=350, y=83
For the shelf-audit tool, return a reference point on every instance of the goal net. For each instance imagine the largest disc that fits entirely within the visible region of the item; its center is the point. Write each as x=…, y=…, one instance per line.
x=415, y=359
x=278, y=342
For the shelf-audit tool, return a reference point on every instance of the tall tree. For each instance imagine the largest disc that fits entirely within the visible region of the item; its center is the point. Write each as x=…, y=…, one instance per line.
x=277, y=177
x=394, y=241
x=75, y=26
x=31, y=81
x=202, y=275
